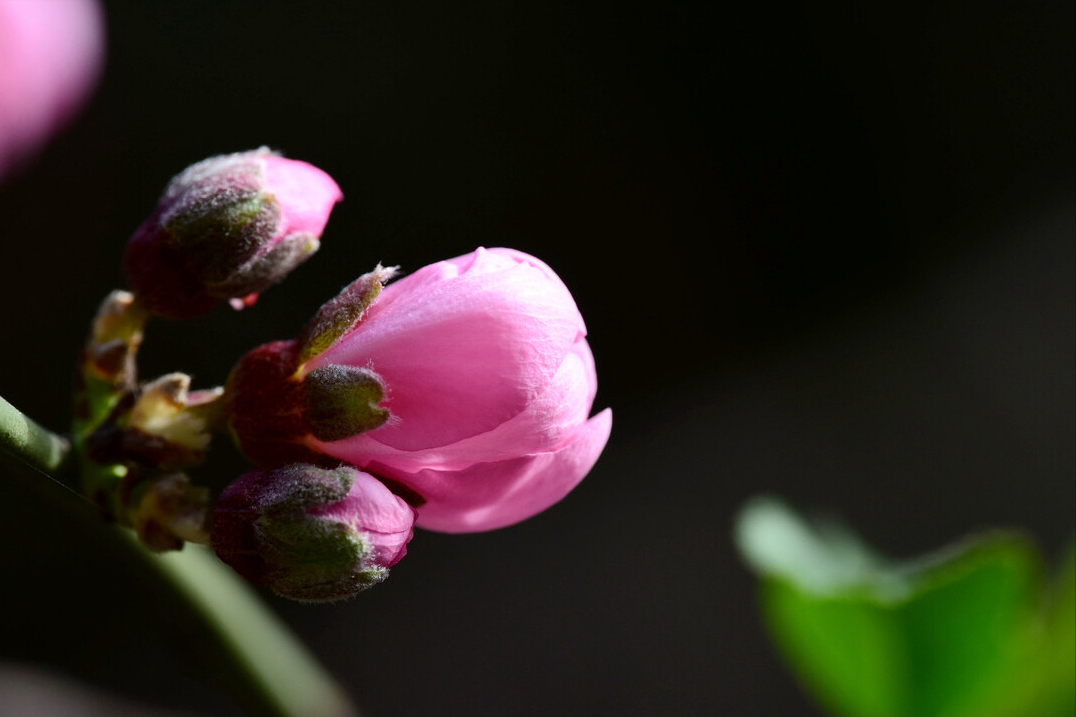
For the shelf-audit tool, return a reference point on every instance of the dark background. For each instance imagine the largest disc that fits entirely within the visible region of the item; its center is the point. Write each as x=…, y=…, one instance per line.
x=823, y=251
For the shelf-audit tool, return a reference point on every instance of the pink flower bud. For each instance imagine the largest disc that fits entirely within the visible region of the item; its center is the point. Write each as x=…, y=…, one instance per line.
x=482, y=375
x=50, y=56
x=311, y=534
x=228, y=227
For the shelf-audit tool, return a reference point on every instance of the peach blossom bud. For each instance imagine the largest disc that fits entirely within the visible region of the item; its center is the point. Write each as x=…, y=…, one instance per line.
x=228, y=227
x=309, y=533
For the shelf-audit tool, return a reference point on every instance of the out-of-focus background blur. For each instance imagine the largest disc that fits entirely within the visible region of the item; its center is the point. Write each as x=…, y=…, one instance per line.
x=824, y=251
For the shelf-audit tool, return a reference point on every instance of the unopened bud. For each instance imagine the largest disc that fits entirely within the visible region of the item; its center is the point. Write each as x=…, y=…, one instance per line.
x=227, y=228
x=309, y=533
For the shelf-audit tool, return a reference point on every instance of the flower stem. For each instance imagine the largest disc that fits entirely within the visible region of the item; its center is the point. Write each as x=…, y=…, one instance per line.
x=272, y=671
x=23, y=439
x=268, y=669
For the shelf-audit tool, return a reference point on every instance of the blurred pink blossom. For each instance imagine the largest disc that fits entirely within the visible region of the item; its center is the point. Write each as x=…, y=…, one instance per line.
x=51, y=54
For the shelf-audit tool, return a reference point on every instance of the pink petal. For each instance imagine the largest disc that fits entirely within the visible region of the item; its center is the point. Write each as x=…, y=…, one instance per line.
x=524, y=258
x=544, y=425
x=370, y=505
x=492, y=495
x=306, y=195
x=463, y=346
x=374, y=511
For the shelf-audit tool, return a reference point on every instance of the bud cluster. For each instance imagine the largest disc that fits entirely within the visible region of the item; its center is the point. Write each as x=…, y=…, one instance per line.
x=456, y=399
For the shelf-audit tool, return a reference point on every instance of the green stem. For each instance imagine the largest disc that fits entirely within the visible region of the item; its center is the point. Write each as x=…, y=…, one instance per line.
x=272, y=671
x=264, y=663
x=24, y=440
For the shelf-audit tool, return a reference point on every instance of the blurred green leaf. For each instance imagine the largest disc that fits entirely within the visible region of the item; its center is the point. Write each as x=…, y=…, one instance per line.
x=1060, y=633
x=964, y=632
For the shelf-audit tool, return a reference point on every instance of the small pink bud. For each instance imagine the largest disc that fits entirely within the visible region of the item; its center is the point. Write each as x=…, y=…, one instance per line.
x=51, y=54
x=227, y=228
x=309, y=533
x=472, y=387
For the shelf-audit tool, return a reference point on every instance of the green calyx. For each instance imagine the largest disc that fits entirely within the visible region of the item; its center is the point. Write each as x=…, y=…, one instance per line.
x=315, y=559
x=307, y=556
x=341, y=401
x=222, y=231
x=274, y=404
x=299, y=486
x=344, y=311
x=267, y=268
